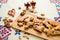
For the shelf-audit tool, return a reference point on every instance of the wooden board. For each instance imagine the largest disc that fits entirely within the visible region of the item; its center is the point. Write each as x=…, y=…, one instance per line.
x=31, y=31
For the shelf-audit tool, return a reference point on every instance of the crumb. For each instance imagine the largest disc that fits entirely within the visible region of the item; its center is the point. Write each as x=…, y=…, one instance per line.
x=42, y=14
x=19, y=8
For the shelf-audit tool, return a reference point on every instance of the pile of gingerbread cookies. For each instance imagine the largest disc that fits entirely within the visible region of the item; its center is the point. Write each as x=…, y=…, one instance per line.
x=38, y=24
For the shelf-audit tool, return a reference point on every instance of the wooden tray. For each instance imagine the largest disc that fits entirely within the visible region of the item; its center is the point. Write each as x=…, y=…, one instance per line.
x=31, y=31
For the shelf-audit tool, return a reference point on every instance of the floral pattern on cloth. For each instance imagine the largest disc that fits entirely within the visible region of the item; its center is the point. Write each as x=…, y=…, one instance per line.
x=4, y=32
x=17, y=32
x=0, y=18
x=57, y=18
x=55, y=1
x=2, y=2
x=57, y=4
